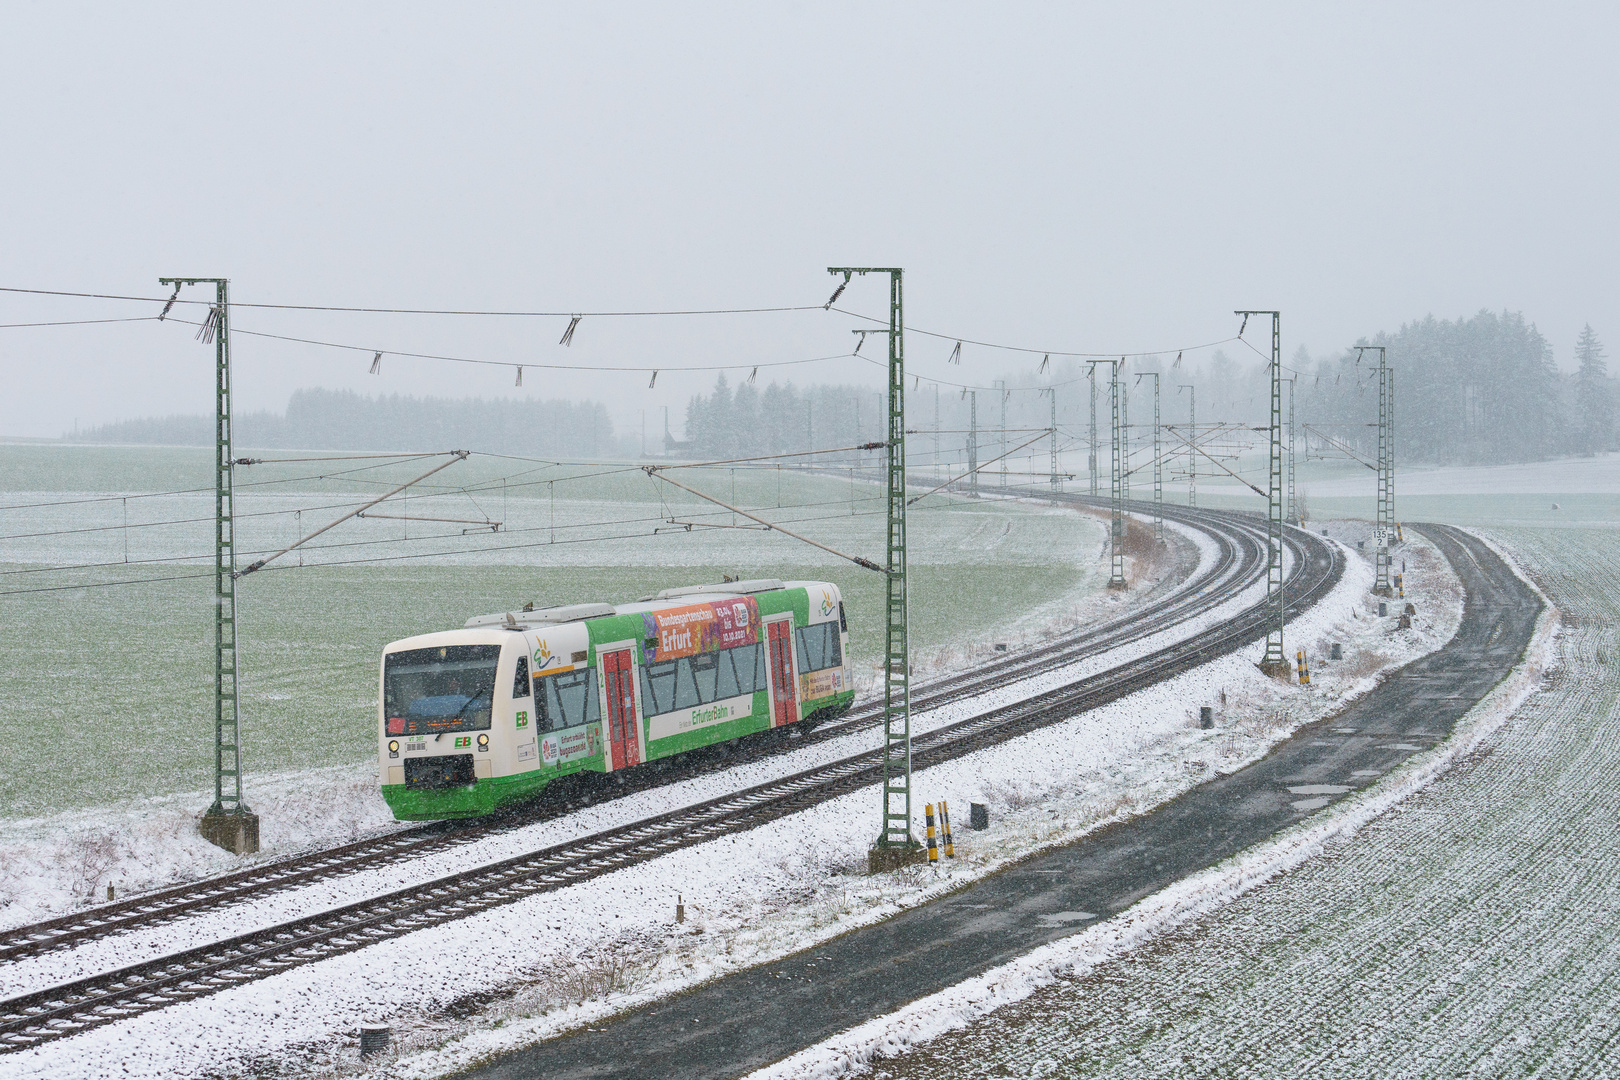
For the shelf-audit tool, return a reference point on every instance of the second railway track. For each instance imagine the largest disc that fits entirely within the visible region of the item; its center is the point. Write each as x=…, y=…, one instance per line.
x=33, y=1018
x=1236, y=564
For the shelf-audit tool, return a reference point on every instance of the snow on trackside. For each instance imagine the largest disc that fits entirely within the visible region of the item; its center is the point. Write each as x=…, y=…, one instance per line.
x=63, y=861
x=550, y=963
x=851, y=1052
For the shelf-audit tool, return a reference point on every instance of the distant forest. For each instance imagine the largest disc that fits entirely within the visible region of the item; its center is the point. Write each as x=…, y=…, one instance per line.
x=344, y=420
x=1481, y=390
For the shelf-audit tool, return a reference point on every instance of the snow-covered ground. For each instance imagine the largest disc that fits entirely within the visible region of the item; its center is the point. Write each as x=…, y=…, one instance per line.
x=511, y=976
x=1598, y=475
x=1467, y=931
x=53, y=863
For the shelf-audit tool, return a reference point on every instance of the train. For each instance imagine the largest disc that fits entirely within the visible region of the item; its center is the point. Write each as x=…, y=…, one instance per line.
x=482, y=717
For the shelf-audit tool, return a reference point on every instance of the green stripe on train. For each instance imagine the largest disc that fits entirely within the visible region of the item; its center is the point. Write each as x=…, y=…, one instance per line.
x=488, y=795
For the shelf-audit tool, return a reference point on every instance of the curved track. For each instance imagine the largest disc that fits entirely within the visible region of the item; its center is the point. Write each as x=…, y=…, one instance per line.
x=63, y=1010
x=1235, y=566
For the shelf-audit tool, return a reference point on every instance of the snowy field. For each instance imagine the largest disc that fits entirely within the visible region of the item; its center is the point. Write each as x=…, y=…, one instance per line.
x=1566, y=493
x=1454, y=920
x=555, y=961
x=109, y=692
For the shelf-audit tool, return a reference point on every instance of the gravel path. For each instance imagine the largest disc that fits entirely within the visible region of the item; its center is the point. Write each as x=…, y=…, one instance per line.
x=1468, y=933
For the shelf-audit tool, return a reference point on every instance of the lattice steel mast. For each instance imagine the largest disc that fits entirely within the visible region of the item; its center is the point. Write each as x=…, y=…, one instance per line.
x=1052, y=393
x=895, y=843
x=1293, y=505
x=1125, y=436
x=1091, y=376
x=1116, y=505
x=1001, y=446
x=1158, y=471
x=973, y=444
x=228, y=822
x=1275, y=661
x=1384, y=523
x=1192, y=437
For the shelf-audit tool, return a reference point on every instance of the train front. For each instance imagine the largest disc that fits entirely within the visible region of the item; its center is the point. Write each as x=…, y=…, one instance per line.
x=440, y=694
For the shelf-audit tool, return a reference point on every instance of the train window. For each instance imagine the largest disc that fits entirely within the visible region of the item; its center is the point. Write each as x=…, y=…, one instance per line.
x=435, y=690
x=701, y=679
x=798, y=651
x=706, y=671
x=520, y=681
x=686, y=692
x=843, y=627
x=566, y=700
x=819, y=647
x=726, y=685
x=658, y=688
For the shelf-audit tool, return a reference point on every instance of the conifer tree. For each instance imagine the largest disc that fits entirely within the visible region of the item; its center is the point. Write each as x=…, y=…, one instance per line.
x=1595, y=403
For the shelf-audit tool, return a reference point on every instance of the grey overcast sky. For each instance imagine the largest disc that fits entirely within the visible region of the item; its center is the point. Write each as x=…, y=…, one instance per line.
x=1089, y=177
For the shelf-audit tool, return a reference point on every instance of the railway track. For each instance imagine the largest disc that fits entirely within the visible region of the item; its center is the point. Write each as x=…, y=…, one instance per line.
x=33, y=1018
x=1237, y=564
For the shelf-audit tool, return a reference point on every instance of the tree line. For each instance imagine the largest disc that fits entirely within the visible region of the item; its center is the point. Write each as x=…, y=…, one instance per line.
x=1478, y=390
x=345, y=420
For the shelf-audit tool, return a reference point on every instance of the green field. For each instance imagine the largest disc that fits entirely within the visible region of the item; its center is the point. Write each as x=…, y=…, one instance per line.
x=108, y=689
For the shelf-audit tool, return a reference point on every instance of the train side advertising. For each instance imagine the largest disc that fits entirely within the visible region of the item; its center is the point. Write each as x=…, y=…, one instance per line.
x=699, y=628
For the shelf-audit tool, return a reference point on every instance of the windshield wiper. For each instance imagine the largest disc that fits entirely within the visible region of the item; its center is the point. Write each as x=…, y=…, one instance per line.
x=474, y=696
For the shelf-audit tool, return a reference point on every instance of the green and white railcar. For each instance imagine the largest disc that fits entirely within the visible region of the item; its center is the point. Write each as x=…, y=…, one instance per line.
x=474, y=719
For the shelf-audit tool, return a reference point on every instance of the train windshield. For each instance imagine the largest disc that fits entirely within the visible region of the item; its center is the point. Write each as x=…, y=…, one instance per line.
x=431, y=691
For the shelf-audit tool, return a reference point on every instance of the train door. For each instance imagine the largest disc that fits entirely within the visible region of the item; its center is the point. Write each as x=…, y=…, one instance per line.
x=784, y=682
x=618, y=671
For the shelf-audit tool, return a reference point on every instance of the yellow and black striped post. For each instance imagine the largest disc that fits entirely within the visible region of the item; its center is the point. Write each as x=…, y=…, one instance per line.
x=933, y=847
x=1304, y=669
x=945, y=825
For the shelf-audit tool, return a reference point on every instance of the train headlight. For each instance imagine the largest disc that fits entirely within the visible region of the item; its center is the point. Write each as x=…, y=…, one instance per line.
x=393, y=748
x=483, y=742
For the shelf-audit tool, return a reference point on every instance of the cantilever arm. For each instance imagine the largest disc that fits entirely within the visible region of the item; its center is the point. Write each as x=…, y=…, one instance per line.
x=455, y=456
x=656, y=472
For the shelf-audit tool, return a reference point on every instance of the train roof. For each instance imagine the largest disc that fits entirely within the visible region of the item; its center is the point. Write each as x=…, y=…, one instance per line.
x=663, y=600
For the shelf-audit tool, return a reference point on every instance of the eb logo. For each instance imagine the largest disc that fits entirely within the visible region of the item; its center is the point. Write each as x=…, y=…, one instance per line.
x=463, y=740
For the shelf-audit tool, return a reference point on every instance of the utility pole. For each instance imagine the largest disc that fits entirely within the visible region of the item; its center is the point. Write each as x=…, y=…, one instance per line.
x=1386, y=509
x=1052, y=393
x=1274, y=662
x=895, y=845
x=1001, y=384
x=1125, y=434
x=228, y=822
x=1192, y=437
x=1293, y=505
x=1158, y=472
x=1384, y=530
x=1091, y=375
x=1116, y=524
x=973, y=444
x=937, y=462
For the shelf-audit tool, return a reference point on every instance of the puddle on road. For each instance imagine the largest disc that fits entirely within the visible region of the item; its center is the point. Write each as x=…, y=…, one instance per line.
x=1067, y=916
x=1367, y=772
x=1320, y=789
x=1344, y=731
x=1398, y=746
x=1312, y=804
